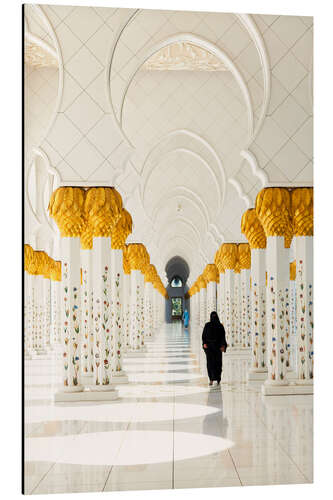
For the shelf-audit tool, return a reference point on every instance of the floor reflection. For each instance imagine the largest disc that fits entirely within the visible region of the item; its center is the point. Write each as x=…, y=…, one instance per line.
x=168, y=429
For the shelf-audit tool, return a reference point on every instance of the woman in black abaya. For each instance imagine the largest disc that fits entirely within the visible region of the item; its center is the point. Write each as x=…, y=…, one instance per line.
x=214, y=343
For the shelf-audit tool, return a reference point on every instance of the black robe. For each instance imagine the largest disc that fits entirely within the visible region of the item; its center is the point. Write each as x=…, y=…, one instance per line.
x=213, y=336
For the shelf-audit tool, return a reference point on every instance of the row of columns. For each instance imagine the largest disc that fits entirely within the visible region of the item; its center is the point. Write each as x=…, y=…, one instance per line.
x=264, y=300
x=42, y=277
x=104, y=290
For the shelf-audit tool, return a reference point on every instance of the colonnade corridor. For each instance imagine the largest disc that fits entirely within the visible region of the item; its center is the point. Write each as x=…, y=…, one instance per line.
x=167, y=429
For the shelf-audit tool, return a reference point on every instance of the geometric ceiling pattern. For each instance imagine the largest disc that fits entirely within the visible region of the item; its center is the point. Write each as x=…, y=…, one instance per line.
x=188, y=147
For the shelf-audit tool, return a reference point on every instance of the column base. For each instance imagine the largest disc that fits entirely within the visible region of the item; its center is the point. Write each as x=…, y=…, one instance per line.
x=87, y=379
x=286, y=389
x=41, y=351
x=86, y=395
x=134, y=354
x=30, y=355
x=119, y=378
x=255, y=375
x=236, y=351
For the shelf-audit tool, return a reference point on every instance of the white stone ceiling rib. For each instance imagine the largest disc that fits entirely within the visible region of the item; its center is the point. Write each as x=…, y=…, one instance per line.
x=157, y=104
x=102, y=47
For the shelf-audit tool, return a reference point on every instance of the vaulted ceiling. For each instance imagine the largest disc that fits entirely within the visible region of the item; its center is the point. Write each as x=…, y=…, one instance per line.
x=189, y=144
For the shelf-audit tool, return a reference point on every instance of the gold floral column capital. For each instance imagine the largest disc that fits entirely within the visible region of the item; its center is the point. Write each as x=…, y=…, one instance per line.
x=211, y=273
x=121, y=230
x=150, y=274
x=66, y=208
x=229, y=255
x=44, y=263
x=302, y=211
x=253, y=230
x=244, y=256
x=55, y=273
x=102, y=210
x=126, y=264
x=201, y=282
x=138, y=257
x=273, y=208
x=218, y=260
x=28, y=257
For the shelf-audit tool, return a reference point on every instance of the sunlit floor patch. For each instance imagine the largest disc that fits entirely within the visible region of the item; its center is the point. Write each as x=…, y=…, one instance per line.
x=158, y=359
x=158, y=391
x=156, y=368
x=162, y=377
x=123, y=447
x=121, y=412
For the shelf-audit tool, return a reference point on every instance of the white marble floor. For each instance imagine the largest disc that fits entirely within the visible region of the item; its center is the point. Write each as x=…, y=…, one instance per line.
x=168, y=429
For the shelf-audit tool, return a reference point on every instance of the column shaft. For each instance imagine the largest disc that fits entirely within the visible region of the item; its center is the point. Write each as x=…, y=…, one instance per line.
x=258, y=313
x=277, y=297
x=70, y=313
x=304, y=304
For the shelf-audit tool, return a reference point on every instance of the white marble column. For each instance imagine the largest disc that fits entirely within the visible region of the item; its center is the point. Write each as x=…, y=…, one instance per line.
x=245, y=308
x=302, y=217
x=197, y=314
x=258, y=370
x=203, y=306
x=148, y=309
x=40, y=334
x=236, y=319
x=46, y=300
x=220, y=297
x=254, y=232
x=126, y=311
x=28, y=316
x=304, y=309
x=229, y=278
x=55, y=314
x=292, y=316
x=104, y=337
x=136, y=317
x=87, y=332
x=116, y=312
x=211, y=298
x=273, y=208
x=277, y=262
x=70, y=313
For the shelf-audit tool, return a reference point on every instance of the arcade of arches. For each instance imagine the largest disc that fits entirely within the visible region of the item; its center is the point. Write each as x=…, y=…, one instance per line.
x=168, y=156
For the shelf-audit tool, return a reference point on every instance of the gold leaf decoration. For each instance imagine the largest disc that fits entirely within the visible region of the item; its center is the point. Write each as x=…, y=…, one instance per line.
x=229, y=255
x=121, y=230
x=244, y=256
x=66, y=208
x=302, y=211
x=253, y=230
x=273, y=208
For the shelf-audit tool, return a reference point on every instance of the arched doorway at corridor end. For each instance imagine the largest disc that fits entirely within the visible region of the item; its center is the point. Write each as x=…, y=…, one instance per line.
x=177, y=271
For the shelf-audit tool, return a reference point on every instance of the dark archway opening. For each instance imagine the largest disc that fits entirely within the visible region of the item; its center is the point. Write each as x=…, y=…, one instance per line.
x=177, y=272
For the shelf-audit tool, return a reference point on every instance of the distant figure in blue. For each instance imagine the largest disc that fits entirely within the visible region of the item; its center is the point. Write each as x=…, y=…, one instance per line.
x=186, y=318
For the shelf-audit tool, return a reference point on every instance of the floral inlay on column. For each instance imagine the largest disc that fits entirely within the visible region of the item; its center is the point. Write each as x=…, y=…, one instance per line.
x=212, y=277
x=302, y=211
x=138, y=259
x=55, y=275
x=203, y=300
x=273, y=209
x=255, y=234
x=66, y=208
x=244, y=257
x=102, y=208
x=149, y=278
x=229, y=258
x=126, y=301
